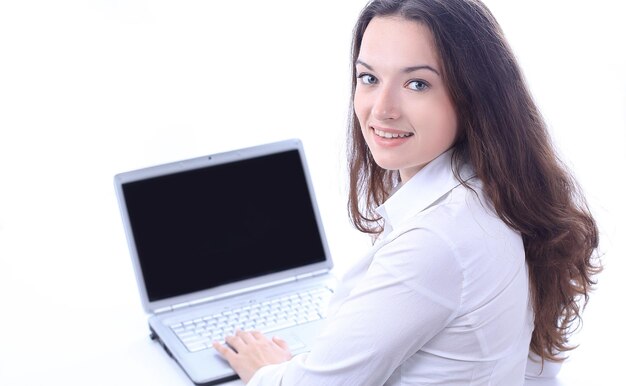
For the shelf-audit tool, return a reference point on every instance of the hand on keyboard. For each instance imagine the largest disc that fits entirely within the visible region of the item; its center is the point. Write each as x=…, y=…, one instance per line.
x=247, y=352
x=270, y=315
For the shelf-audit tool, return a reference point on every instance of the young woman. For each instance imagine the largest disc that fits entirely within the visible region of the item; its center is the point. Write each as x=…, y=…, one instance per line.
x=484, y=246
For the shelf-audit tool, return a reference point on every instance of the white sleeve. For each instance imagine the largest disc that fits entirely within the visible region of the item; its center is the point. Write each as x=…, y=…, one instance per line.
x=535, y=370
x=410, y=292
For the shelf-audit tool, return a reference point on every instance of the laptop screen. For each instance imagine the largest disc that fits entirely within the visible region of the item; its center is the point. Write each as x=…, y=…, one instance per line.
x=215, y=225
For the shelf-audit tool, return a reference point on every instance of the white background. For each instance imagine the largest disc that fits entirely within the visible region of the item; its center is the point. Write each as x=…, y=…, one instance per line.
x=92, y=88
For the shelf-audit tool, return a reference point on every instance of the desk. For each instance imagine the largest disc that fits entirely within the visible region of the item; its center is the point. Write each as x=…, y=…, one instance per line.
x=103, y=346
x=138, y=361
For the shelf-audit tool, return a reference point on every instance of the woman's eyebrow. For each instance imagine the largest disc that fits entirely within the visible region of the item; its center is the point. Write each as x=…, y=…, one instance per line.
x=405, y=70
x=421, y=67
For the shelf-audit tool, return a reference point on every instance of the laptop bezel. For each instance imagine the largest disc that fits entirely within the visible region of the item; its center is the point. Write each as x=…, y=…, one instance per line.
x=235, y=288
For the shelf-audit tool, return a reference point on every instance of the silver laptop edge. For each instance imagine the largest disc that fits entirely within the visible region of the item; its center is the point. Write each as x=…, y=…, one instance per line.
x=228, y=289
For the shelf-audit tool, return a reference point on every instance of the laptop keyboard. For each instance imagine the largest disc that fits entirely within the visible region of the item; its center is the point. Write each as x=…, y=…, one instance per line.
x=267, y=316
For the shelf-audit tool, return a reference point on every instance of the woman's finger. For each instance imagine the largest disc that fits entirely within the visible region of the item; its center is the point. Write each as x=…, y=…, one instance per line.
x=281, y=343
x=245, y=336
x=225, y=351
x=235, y=342
x=257, y=334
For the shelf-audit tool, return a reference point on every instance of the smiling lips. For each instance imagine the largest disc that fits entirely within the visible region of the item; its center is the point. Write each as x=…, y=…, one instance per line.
x=391, y=134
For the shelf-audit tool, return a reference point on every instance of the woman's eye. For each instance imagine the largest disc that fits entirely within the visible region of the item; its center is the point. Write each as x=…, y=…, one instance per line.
x=417, y=85
x=367, y=79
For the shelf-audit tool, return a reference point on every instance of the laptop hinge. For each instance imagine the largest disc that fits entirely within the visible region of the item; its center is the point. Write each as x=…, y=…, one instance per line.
x=311, y=274
x=228, y=294
x=171, y=308
x=162, y=310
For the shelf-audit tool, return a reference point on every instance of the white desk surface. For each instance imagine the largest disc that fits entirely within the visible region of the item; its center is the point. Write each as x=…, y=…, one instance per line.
x=110, y=346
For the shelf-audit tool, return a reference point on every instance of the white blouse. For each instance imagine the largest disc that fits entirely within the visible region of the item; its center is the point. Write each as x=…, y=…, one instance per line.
x=442, y=298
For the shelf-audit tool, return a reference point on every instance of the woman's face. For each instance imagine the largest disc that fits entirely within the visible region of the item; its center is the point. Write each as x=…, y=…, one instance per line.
x=403, y=107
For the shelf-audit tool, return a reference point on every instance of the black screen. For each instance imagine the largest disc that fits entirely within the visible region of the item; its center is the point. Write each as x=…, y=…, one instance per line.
x=205, y=227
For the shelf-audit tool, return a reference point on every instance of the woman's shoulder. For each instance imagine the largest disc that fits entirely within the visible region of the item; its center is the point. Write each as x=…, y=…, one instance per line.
x=463, y=208
x=467, y=223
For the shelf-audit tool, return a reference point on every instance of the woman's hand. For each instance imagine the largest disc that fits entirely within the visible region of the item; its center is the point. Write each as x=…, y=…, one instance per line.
x=249, y=351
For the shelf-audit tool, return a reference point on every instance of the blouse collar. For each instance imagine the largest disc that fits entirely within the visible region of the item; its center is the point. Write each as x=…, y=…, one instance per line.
x=427, y=186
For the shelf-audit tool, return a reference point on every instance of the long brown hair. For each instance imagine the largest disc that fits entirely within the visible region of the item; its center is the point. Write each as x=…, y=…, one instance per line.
x=503, y=136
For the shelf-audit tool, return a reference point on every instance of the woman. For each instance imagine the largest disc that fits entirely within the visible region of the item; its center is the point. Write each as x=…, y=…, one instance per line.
x=483, y=246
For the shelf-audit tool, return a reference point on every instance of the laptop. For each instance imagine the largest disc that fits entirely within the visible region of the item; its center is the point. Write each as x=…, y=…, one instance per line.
x=224, y=241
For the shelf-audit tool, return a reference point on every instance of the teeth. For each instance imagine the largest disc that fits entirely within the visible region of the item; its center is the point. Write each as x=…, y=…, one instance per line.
x=385, y=134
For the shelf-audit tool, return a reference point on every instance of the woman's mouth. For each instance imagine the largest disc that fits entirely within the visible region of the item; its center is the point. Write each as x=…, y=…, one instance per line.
x=391, y=134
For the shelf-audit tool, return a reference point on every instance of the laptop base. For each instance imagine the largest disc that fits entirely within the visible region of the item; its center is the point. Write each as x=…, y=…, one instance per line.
x=155, y=337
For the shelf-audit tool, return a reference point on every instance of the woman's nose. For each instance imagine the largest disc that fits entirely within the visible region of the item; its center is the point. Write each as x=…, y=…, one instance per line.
x=386, y=105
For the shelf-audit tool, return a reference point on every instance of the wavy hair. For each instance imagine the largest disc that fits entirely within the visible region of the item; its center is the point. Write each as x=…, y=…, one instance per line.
x=504, y=137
